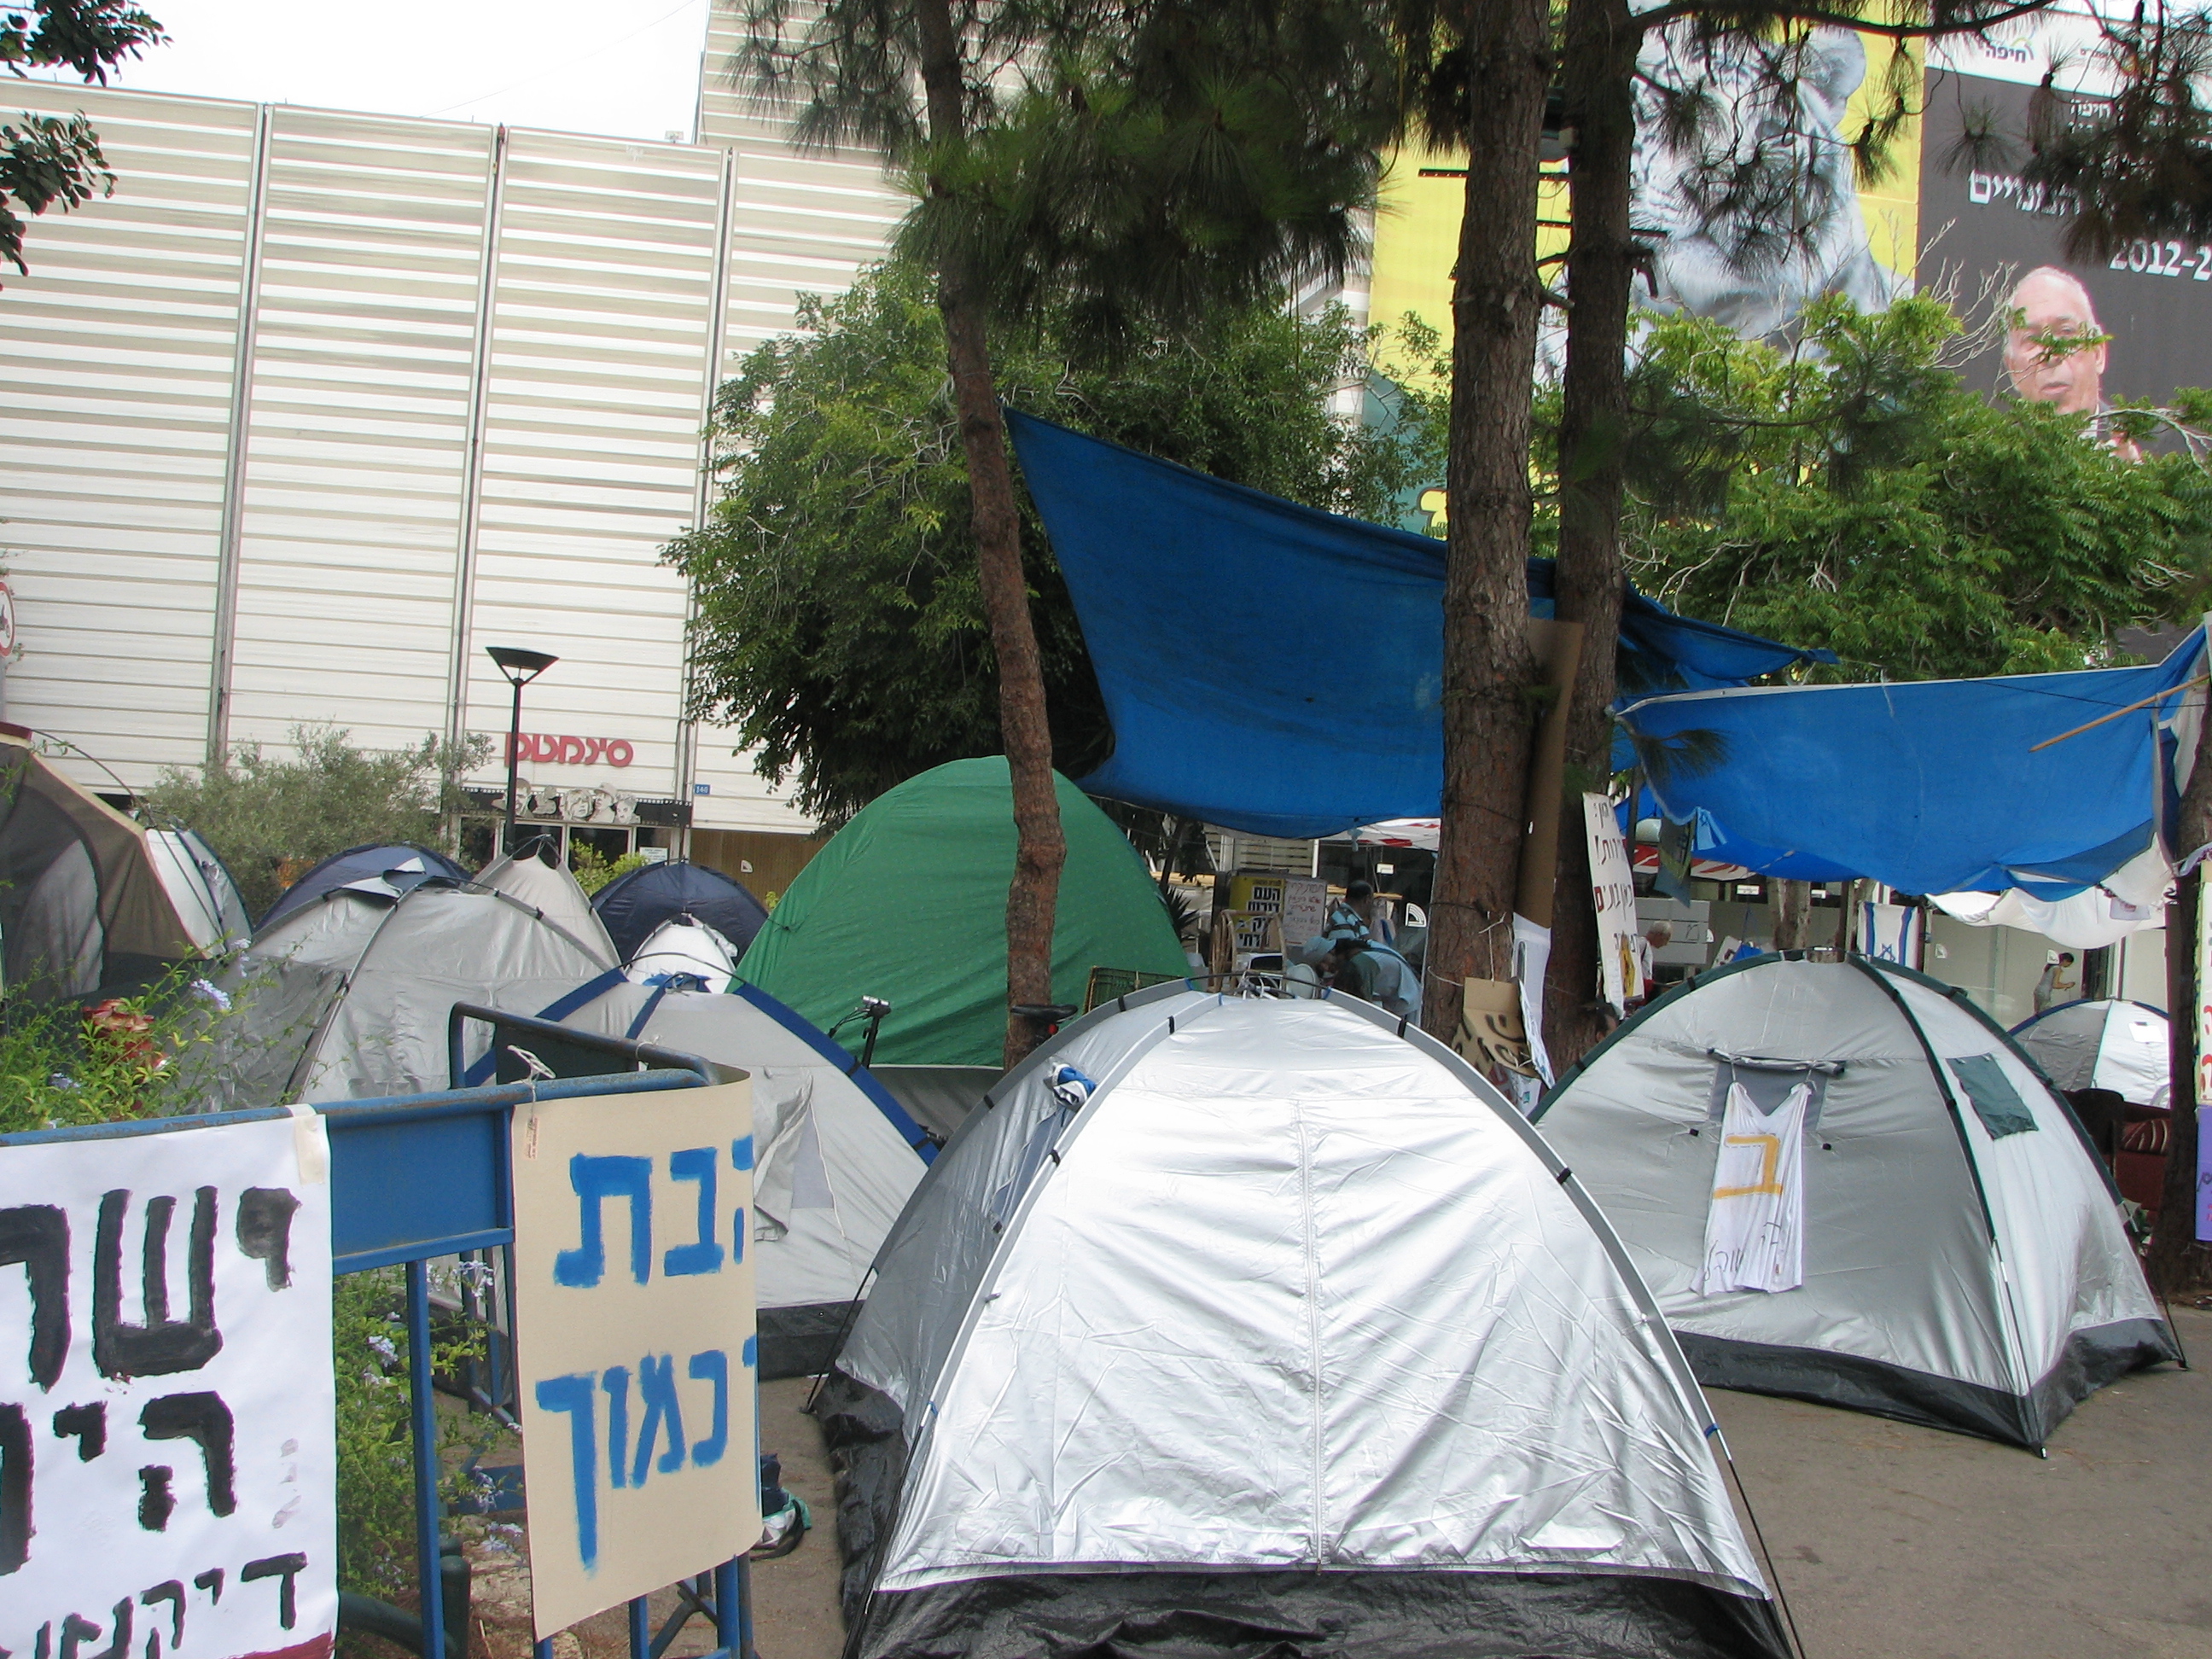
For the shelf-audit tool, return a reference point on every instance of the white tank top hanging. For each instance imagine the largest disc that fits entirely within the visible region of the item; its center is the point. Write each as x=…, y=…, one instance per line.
x=1755, y=1224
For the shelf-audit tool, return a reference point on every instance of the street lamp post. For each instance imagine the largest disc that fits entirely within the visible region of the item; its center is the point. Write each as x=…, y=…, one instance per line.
x=520, y=668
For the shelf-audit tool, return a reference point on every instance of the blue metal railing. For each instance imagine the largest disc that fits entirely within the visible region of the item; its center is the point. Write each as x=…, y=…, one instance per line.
x=415, y=1177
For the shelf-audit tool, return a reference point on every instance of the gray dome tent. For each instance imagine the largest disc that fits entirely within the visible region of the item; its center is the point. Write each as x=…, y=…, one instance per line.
x=555, y=893
x=2102, y=1044
x=201, y=889
x=388, y=868
x=1254, y=1319
x=82, y=907
x=348, y=997
x=1960, y=1247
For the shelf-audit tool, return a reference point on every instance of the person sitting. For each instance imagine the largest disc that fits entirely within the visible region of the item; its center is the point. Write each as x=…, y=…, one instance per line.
x=1359, y=908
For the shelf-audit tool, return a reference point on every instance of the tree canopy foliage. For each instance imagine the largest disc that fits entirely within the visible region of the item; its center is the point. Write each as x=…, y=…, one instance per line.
x=46, y=159
x=1850, y=491
x=840, y=622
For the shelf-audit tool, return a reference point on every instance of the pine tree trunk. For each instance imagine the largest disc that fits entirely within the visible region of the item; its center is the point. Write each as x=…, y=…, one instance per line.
x=1601, y=41
x=1488, y=669
x=2177, y=1263
x=1040, y=848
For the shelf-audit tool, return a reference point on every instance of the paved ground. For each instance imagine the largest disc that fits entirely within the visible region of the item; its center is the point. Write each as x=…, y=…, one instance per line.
x=1891, y=1542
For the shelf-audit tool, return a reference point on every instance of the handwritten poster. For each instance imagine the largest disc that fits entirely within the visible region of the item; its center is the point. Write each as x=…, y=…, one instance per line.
x=168, y=1468
x=635, y=1344
x=1612, y=889
x=1305, y=909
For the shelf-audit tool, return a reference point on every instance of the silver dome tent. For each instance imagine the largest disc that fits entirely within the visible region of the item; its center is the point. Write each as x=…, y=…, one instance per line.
x=1962, y=1260
x=2102, y=1044
x=1271, y=1320
x=349, y=996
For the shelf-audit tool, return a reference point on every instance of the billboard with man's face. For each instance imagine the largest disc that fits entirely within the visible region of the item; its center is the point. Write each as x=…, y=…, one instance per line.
x=1986, y=233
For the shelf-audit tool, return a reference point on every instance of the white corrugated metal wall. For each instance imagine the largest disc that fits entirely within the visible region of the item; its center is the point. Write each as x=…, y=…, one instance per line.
x=802, y=224
x=463, y=408
x=119, y=354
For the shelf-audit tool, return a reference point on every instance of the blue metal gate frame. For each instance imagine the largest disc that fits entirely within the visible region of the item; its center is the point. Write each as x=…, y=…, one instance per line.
x=414, y=1177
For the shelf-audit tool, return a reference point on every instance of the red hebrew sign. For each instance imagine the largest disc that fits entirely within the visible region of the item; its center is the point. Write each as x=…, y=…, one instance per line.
x=547, y=748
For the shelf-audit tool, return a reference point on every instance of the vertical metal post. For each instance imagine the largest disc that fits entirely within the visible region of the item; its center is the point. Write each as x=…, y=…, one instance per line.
x=718, y=327
x=221, y=668
x=641, y=1628
x=472, y=503
x=514, y=760
x=729, y=1625
x=425, y=1449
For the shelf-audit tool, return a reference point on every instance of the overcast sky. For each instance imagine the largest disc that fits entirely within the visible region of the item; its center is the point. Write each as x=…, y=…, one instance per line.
x=630, y=68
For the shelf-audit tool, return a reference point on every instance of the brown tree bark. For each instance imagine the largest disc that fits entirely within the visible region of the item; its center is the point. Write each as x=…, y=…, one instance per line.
x=1489, y=671
x=1601, y=39
x=1793, y=913
x=2177, y=1263
x=1041, y=850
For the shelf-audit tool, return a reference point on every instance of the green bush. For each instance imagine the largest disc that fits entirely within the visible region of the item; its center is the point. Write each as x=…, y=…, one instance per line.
x=376, y=1475
x=261, y=810
x=592, y=870
x=62, y=1064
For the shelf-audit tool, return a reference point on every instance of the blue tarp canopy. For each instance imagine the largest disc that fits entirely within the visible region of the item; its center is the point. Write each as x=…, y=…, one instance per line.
x=1933, y=785
x=1279, y=670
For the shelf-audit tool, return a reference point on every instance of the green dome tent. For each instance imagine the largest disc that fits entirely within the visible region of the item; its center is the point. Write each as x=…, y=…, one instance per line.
x=907, y=903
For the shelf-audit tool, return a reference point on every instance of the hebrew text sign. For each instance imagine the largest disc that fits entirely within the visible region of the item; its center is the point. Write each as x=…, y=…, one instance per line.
x=168, y=1461
x=634, y=1331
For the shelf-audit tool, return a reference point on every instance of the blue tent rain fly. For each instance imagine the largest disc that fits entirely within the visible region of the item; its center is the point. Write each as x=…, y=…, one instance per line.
x=391, y=869
x=1937, y=786
x=1276, y=669
x=632, y=906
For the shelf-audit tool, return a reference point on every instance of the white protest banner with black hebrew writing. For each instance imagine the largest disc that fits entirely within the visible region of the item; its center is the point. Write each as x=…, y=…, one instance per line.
x=168, y=1466
x=1612, y=890
x=634, y=1335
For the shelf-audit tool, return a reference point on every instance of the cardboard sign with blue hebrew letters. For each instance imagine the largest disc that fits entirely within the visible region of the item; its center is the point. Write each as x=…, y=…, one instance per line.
x=168, y=1466
x=634, y=1334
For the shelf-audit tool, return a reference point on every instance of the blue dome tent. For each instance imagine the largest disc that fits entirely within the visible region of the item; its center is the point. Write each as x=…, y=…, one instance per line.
x=634, y=905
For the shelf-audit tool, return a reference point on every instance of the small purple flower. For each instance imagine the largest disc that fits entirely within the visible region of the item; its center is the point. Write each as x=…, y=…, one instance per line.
x=207, y=991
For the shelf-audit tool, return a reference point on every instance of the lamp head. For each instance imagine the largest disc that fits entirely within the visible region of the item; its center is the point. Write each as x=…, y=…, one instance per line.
x=520, y=666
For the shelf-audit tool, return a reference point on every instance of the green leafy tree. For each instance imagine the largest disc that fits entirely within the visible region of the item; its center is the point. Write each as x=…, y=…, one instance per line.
x=841, y=626
x=1133, y=159
x=264, y=811
x=1853, y=494
x=49, y=160
x=1735, y=97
